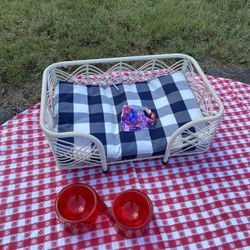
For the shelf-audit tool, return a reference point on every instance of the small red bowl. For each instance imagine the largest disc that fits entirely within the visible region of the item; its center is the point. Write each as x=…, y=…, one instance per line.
x=132, y=211
x=77, y=207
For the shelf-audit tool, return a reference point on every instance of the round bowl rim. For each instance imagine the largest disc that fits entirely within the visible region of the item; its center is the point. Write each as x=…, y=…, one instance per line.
x=149, y=202
x=59, y=195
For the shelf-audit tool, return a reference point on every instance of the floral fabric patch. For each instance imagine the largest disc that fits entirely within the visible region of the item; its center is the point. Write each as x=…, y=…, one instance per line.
x=133, y=120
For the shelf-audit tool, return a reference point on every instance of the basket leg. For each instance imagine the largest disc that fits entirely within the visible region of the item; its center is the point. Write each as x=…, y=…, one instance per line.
x=164, y=162
x=166, y=156
x=103, y=159
x=105, y=167
x=105, y=171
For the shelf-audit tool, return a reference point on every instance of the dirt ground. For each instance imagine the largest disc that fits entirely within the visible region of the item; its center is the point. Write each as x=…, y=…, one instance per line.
x=13, y=102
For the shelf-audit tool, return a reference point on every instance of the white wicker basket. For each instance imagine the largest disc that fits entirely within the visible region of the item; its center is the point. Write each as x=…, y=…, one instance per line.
x=93, y=154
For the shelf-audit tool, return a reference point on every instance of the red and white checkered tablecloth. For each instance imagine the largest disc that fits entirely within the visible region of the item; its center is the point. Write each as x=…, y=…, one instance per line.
x=200, y=201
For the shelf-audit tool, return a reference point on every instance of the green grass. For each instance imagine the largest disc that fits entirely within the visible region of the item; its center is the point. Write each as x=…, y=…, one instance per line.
x=34, y=34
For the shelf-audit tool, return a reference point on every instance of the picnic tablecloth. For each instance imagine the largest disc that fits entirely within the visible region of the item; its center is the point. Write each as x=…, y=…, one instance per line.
x=200, y=201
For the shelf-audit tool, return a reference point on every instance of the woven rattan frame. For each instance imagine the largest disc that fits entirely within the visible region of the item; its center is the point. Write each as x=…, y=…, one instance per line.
x=71, y=156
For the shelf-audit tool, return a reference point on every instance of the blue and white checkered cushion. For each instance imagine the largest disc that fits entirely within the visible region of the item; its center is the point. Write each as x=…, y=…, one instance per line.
x=97, y=110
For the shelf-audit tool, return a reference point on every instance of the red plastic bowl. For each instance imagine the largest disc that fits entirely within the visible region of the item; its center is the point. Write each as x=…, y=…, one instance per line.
x=132, y=211
x=77, y=206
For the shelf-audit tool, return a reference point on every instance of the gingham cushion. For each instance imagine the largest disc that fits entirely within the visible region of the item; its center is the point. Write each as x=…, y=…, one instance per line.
x=97, y=110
